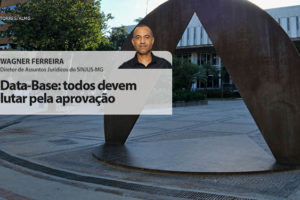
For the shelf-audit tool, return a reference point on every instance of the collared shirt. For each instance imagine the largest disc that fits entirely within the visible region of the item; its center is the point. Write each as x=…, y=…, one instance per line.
x=156, y=63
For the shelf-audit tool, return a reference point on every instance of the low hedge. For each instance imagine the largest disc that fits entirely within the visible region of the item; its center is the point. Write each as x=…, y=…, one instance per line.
x=226, y=94
x=188, y=96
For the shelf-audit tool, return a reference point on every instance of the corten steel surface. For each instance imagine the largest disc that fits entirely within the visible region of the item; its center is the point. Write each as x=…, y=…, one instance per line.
x=258, y=54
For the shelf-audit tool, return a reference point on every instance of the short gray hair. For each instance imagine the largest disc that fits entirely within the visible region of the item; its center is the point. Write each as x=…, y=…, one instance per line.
x=142, y=25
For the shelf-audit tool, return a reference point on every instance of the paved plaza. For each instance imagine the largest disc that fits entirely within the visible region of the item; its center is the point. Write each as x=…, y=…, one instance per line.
x=50, y=157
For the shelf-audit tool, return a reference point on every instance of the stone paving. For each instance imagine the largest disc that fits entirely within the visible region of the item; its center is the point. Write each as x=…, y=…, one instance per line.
x=66, y=143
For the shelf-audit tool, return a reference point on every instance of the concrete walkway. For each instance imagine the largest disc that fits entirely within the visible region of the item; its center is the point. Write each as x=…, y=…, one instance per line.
x=50, y=157
x=21, y=184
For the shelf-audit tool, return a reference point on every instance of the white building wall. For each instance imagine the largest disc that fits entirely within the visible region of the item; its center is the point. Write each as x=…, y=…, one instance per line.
x=194, y=29
x=289, y=18
x=194, y=58
x=179, y=43
x=209, y=41
x=198, y=32
x=184, y=38
x=191, y=36
x=298, y=25
x=205, y=37
x=293, y=27
x=283, y=23
x=287, y=14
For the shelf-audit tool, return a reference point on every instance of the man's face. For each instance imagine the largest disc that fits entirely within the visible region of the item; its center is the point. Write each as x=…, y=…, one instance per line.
x=142, y=40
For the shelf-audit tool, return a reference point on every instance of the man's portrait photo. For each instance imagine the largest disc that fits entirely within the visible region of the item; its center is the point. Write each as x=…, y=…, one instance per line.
x=143, y=41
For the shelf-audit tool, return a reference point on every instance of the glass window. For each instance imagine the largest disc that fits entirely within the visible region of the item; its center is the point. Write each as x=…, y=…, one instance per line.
x=210, y=81
x=199, y=59
x=188, y=57
x=208, y=59
x=215, y=59
x=3, y=9
x=203, y=59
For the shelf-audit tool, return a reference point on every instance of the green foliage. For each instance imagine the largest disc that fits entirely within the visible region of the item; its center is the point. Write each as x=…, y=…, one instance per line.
x=209, y=70
x=226, y=94
x=223, y=72
x=59, y=25
x=183, y=74
x=188, y=96
x=138, y=20
x=118, y=37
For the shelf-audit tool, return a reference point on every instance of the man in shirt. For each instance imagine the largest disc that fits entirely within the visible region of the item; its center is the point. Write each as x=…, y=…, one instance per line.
x=143, y=41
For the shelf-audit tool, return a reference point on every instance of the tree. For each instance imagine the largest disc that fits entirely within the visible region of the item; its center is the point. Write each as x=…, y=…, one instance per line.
x=138, y=20
x=183, y=74
x=223, y=75
x=118, y=37
x=58, y=25
x=207, y=71
x=201, y=75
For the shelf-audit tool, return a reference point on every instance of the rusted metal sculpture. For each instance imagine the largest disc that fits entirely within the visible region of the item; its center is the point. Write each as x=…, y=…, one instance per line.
x=258, y=54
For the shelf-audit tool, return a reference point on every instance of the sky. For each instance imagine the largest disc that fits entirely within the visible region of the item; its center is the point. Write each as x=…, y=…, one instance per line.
x=126, y=11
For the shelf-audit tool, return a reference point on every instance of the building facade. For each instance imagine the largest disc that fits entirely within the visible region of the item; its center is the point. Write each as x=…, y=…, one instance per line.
x=4, y=42
x=197, y=48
